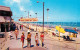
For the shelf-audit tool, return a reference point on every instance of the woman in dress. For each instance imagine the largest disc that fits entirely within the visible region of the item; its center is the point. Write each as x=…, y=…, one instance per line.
x=22, y=39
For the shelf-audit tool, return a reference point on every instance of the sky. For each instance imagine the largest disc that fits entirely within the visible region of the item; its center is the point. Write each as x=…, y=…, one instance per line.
x=59, y=10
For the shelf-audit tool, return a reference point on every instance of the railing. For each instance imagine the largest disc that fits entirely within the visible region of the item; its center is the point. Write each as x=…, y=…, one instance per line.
x=3, y=41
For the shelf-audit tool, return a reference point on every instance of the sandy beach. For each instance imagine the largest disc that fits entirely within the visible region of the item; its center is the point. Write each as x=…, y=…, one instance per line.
x=53, y=41
x=50, y=42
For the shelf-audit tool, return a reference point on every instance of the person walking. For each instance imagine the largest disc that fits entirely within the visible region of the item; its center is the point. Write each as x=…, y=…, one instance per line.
x=42, y=38
x=22, y=39
x=17, y=27
x=28, y=39
x=36, y=39
x=10, y=35
x=16, y=33
x=22, y=27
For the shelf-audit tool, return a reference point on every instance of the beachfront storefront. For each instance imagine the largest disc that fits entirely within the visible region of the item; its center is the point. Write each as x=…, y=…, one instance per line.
x=5, y=18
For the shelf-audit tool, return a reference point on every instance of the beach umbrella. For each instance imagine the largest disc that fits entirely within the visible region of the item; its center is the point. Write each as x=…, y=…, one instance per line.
x=72, y=31
x=60, y=29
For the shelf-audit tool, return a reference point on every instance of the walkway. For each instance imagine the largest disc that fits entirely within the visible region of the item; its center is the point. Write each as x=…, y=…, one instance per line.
x=17, y=45
x=51, y=43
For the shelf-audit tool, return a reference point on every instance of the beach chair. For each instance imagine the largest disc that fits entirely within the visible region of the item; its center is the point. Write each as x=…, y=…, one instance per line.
x=68, y=38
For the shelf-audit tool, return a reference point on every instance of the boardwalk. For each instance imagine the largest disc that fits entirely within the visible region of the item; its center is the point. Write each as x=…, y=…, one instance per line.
x=51, y=43
x=17, y=45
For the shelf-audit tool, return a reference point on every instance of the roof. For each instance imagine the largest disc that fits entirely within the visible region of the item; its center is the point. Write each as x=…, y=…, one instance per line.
x=5, y=8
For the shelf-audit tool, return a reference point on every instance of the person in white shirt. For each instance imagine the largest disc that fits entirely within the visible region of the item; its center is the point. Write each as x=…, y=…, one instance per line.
x=36, y=39
x=10, y=35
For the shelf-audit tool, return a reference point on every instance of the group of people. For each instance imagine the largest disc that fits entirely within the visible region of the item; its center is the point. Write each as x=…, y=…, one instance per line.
x=29, y=39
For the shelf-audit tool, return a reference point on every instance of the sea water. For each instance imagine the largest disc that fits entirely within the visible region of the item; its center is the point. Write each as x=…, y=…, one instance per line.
x=63, y=24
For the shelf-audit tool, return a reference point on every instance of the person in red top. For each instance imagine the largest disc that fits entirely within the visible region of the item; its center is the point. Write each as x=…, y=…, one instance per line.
x=42, y=38
x=22, y=39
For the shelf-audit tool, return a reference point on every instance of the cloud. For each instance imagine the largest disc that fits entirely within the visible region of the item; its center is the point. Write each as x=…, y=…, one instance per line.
x=17, y=1
x=20, y=3
x=22, y=8
x=11, y=2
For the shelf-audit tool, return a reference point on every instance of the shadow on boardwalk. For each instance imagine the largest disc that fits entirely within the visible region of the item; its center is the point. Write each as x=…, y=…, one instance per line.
x=32, y=48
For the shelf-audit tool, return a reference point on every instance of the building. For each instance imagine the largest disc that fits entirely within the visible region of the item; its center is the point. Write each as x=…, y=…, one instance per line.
x=5, y=18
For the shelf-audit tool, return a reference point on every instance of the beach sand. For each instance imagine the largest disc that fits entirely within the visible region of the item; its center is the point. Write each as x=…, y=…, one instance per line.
x=53, y=43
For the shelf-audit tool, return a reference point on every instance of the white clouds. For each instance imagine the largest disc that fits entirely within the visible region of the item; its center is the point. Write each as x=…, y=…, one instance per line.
x=11, y=2
x=17, y=1
x=20, y=3
x=22, y=8
x=8, y=2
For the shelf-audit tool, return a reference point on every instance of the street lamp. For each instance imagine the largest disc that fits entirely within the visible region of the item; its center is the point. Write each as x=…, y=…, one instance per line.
x=43, y=15
x=37, y=23
x=47, y=14
x=36, y=15
x=47, y=17
x=25, y=13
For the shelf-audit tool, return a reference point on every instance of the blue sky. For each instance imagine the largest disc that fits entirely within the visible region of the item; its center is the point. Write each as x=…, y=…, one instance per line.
x=60, y=10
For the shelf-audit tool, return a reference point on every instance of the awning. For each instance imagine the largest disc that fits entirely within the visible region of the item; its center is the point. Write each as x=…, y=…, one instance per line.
x=69, y=30
x=2, y=19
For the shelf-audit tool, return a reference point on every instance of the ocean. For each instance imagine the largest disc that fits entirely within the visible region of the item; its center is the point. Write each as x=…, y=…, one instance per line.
x=63, y=24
